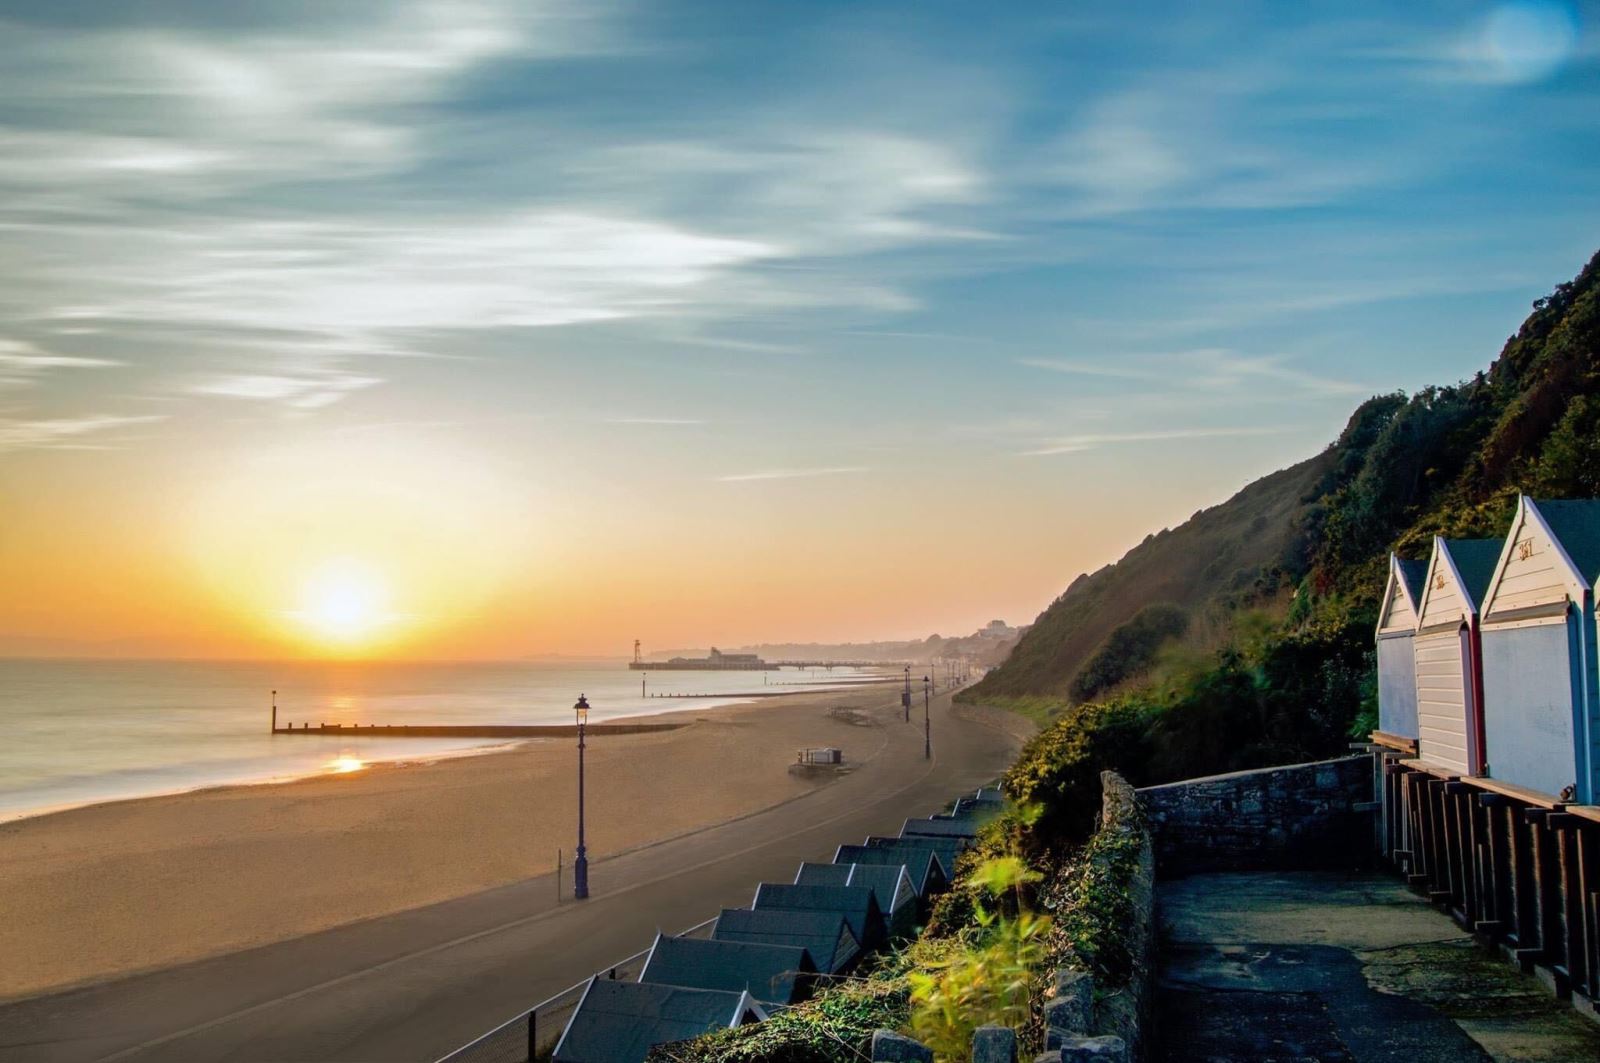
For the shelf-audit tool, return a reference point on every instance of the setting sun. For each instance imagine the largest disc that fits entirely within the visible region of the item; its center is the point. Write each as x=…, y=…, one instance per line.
x=344, y=602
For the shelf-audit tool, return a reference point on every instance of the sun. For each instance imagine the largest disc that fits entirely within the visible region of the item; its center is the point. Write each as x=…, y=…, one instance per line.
x=344, y=602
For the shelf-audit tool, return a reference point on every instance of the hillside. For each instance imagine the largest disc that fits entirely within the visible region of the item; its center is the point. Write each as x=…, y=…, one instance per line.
x=1447, y=460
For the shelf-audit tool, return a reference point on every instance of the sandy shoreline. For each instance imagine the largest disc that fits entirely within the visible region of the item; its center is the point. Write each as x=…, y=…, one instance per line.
x=108, y=889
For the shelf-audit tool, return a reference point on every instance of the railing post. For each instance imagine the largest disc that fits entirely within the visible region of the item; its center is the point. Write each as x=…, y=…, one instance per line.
x=533, y=1035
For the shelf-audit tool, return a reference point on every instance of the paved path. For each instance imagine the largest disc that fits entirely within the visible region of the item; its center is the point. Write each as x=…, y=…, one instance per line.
x=413, y=986
x=1334, y=967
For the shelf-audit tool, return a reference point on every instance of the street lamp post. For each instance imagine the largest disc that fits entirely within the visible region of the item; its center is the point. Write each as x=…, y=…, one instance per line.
x=580, y=866
x=927, y=729
x=905, y=695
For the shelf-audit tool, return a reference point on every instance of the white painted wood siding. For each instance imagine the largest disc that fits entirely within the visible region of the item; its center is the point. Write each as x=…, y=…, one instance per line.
x=1441, y=700
x=1534, y=573
x=1400, y=616
x=1442, y=600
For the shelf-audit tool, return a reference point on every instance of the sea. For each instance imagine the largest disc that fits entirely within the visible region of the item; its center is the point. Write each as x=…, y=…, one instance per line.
x=76, y=732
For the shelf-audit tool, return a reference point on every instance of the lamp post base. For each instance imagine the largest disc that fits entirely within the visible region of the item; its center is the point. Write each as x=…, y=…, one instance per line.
x=580, y=878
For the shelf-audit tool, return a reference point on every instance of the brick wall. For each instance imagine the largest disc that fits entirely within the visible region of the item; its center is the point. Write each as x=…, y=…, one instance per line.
x=1297, y=816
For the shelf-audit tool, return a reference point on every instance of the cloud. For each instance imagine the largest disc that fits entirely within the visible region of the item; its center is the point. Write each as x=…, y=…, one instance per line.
x=25, y=359
x=298, y=392
x=1212, y=369
x=686, y=421
x=1076, y=444
x=97, y=432
x=790, y=474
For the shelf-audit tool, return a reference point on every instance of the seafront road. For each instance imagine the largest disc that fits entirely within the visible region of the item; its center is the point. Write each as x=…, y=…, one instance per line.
x=413, y=986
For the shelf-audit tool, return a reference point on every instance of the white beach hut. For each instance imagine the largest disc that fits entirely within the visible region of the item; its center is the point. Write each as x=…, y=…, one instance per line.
x=1397, y=666
x=1539, y=647
x=1446, y=650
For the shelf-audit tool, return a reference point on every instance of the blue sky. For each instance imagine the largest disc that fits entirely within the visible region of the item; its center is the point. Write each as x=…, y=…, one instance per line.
x=1083, y=267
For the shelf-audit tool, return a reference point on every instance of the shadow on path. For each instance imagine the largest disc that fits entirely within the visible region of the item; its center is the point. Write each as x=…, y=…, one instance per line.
x=1316, y=966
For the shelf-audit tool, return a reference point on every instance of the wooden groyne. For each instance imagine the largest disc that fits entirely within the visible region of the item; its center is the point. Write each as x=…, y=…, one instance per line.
x=563, y=730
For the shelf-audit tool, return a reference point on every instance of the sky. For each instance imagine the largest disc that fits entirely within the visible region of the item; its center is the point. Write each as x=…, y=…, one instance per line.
x=490, y=328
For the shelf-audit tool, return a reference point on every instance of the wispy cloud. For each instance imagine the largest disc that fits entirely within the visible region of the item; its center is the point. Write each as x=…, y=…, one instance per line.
x=1213, y=369
x=685, y=421
x=23, y=363
x=298, y=392
x=790, y=474
x=1077, y=444
x=99, y=432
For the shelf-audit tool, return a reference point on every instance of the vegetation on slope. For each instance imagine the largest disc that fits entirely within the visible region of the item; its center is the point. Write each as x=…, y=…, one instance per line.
x=1446, y=461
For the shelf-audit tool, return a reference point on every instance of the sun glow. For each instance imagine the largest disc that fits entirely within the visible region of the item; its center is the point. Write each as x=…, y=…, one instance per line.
x=344, y=602
x=344, y=763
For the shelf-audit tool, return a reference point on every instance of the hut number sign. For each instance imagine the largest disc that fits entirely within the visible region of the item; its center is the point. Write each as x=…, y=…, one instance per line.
x=1524, y=549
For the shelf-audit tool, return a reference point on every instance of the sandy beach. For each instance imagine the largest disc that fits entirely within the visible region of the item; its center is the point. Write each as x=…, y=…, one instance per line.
x=111, y=889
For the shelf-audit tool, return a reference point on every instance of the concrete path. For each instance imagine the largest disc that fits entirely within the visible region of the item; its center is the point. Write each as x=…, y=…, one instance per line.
x=415, y=985
x=1309, y=966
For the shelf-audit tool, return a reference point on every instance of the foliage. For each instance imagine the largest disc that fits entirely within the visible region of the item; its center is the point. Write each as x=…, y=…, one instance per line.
x=835, y=1025
x=989, y=980
x=1130, y=649
x=1093, y=908
x=1059, y=769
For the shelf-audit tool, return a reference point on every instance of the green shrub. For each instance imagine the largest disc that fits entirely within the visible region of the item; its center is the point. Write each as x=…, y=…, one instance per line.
x=1130, y=649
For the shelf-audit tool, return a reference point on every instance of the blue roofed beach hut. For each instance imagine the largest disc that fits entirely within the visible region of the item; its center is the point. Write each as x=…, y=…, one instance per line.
x=1448, y=654
x=1397, y=666
x=772, y=974
x=1539, y=646
x=619, y=1022
x=825, y=935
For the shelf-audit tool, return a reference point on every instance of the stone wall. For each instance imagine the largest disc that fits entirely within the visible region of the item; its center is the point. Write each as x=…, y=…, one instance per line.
x=1300, y=816
x=1124, y=1013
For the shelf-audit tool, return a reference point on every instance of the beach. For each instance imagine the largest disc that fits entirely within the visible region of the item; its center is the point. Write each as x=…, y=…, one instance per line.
x=110, y=889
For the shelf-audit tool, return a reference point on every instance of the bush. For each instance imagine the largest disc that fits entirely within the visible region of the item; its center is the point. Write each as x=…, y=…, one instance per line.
x=1130, y=649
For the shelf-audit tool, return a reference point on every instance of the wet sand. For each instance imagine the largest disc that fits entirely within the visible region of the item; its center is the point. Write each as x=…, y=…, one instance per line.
x=111, y=889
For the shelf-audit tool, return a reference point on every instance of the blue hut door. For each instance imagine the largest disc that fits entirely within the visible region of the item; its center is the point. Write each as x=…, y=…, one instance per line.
x=1528, y=673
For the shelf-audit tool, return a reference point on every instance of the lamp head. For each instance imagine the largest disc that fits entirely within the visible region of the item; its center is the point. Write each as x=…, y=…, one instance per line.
x=582, y=709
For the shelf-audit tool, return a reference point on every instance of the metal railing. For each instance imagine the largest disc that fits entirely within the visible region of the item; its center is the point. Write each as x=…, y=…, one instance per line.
x=522, y=1038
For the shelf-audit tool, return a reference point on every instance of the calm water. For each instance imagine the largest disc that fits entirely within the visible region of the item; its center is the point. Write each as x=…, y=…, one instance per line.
x=73, y=732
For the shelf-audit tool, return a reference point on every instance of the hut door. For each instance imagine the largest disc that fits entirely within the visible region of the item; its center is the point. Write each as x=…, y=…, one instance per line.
x=1442, y=699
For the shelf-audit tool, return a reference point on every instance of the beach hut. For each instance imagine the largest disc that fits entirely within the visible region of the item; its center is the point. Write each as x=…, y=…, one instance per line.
x=890, y=883
x=942, y=827
x=771, y=974
x=619, y=1022
x=826, y=935
x=858, y=905
x=948, y=849
x=928, y=876
x=1397, y=665
x=1449, y=665
x=1539, y=645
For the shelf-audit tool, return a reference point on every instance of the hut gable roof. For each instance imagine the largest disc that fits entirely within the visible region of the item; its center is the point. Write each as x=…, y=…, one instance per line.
x=770, y=973
x=619, y=1022
x=1402, y=597
x=1549, y=556
x=826, y=935
x=1459, y=574
x=1575, y=523
x=922, y=865
x=959, y=827
x=858, y=904
x=889, y=882
x=1475, y=562
x=811, y=874
x=948, y=849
